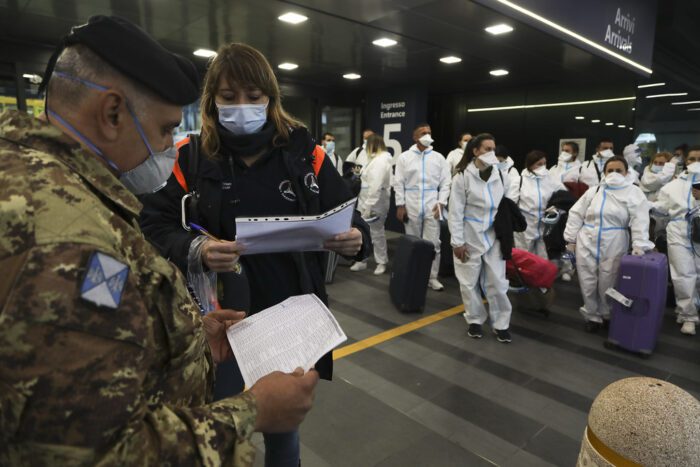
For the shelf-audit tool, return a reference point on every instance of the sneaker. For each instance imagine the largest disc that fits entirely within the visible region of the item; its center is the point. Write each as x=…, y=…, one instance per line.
x=688, y=328
x=593, y=326
x=380, y=269
x=358, y=266
x=679, y=320
x=566, y=277
x=435, y=284
x=502, y=335
x=474, y=331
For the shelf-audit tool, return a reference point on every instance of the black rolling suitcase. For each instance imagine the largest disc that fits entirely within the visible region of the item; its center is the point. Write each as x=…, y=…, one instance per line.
x=410, y=273
x=447, y=266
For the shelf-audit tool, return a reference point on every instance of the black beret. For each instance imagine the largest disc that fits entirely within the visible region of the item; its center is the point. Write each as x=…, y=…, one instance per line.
x=133, y=52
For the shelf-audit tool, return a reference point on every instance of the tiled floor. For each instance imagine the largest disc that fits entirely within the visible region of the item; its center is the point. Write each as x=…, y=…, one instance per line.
x=434, y=397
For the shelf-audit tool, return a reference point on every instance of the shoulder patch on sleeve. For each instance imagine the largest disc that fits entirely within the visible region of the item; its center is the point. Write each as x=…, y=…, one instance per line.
x=104, y=280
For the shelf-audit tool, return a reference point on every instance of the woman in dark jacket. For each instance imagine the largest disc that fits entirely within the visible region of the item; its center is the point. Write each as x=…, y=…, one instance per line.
x=251, y=160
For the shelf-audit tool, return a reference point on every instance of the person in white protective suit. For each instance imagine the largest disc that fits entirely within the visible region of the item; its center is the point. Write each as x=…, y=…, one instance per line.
x=454, y=156
x=477, y=190
x=358, y=156
x=536, y=189
x=373, y=202
x=656, y=175
x=507, y=166
x=633, y=155
x=597, y=230
x=422, y=188
x=591, y=172
x=567, y=168
x=677, y=200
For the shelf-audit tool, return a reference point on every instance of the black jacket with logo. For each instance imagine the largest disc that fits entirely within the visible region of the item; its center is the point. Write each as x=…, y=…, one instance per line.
x=281, y=182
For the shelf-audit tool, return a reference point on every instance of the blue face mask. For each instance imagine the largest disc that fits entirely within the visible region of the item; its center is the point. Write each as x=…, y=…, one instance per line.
x=657, y=168
x=146, y=177
x=243, y=119
x=330, y=147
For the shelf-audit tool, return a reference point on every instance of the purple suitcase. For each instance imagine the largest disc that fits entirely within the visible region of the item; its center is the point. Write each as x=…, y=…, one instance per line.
x=642, y=279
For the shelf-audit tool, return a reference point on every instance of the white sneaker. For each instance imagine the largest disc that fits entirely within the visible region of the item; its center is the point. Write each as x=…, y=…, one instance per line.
x=435, y=284
x=679, y=320
x=380, y=269
x=566, y=277
x=688, y=328
x=358, y=266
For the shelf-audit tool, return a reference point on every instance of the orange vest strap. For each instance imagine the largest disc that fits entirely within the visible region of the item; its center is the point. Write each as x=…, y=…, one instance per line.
x=177, y=171
x=319, y=155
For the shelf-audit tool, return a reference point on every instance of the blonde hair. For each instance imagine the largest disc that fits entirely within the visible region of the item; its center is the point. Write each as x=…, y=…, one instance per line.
x=666, y=155
x=246, y=66
x=375, y=145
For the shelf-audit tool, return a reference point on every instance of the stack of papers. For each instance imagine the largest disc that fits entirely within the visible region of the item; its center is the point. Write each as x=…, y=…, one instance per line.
x=292, y=334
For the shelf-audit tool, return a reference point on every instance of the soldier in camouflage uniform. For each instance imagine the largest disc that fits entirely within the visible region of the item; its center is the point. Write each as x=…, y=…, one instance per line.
x=103, y=356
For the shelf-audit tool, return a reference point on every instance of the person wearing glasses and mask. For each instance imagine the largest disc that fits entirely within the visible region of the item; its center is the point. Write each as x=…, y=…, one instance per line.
x=597, y=230
x=255, y=160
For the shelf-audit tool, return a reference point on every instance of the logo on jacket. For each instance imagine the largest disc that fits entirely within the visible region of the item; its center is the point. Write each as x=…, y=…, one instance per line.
x=287, y=192
x=311, y=183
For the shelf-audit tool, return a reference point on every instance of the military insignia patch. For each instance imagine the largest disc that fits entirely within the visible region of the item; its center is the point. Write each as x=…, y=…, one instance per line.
x=104, y=280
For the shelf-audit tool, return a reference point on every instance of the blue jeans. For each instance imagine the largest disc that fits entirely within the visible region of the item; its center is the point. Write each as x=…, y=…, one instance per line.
x=282, y=449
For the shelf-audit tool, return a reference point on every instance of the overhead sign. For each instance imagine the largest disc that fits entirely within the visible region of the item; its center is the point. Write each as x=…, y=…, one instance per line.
x=621, y=31
x=394, y=113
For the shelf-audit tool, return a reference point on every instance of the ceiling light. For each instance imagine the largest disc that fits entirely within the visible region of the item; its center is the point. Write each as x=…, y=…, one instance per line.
x=609, y=124
x=352, y=76
x=671, y=94
x=570, y=33
x=292, y=18
x=450, y=59
x=641, y=86
x=384, y=42
x=579, y=117
x=499, y=72
x=288, y=66
x=685, y=103
x=206, y=53
x=631, y=129
x=554, y=104
x=694, y=110
x=497, y=29
x=633, y=109
x=621, y=126
x=595, y=121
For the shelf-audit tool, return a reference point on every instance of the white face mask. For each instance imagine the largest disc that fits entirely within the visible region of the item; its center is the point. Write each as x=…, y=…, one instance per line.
x=489, y=159
x=694, y=168
x=243, y=119
x=540, y=171
x=462, y=145
x=657, y=168
x=330, y=147
x=607, y=154
x=426, y=140
x=151, y=174
x=565, y=157
x=503, y=165
x=614, y=179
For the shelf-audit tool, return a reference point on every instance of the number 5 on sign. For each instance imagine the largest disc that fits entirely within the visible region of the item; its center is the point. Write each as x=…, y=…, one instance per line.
x=390, y=128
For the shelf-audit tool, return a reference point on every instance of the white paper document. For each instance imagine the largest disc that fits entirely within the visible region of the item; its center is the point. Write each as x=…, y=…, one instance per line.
x=292, y=334
x=292, y=233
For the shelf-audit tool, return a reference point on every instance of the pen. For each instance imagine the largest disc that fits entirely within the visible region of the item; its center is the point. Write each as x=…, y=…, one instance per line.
x=237, y=267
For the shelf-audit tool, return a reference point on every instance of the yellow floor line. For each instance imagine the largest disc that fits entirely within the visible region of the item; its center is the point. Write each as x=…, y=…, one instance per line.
x=397, y=331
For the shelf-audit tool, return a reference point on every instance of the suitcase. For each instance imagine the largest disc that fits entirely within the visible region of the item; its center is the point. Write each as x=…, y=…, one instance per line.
x=643, y=280
x=447, y=267
x=410, y=273
x=533, y=270
x=524, y=297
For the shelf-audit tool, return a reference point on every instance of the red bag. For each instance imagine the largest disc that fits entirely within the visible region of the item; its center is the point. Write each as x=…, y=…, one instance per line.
x=534, y=271
x=577, y=189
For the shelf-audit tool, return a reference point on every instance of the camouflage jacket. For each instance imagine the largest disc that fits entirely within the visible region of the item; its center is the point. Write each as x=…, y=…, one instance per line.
x=103, y=359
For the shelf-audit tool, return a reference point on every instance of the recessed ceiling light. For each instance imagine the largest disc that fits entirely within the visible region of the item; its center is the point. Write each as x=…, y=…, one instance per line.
x=671, y=94
x=580, y=117
x=652, y=85
x=206, y=53
x=633, y=109
x=450, y=59
x=288, y=66
x=685, y=103
x=497, y=29
x=609, y=124
x=621, y=126
x=351, y=76
x=631, y=129
x=384, y=42
x=595, y=121
x=499, y=72
x=292, y=18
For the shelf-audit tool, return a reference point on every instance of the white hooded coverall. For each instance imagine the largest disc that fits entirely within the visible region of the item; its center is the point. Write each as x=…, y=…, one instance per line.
x=512, y=179
x=535, y=193
x=598, y=223
x=454, y=157
x=651, y=183
x=565, y=171
x=591, y=172
x=373, y=202
x=473, y=207
x=421, y=180
x=676, y=200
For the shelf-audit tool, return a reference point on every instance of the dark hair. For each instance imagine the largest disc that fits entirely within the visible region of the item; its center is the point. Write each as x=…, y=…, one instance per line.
x=695, y=147
x=327, y=134
x=533, y=157
x=461, y=135
x=367, y=129
x=420, y=125
x=474, y=143
x=574, y=146
x=502, y=151
x=683, y=147
x=617, y=159
x=605, y=139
